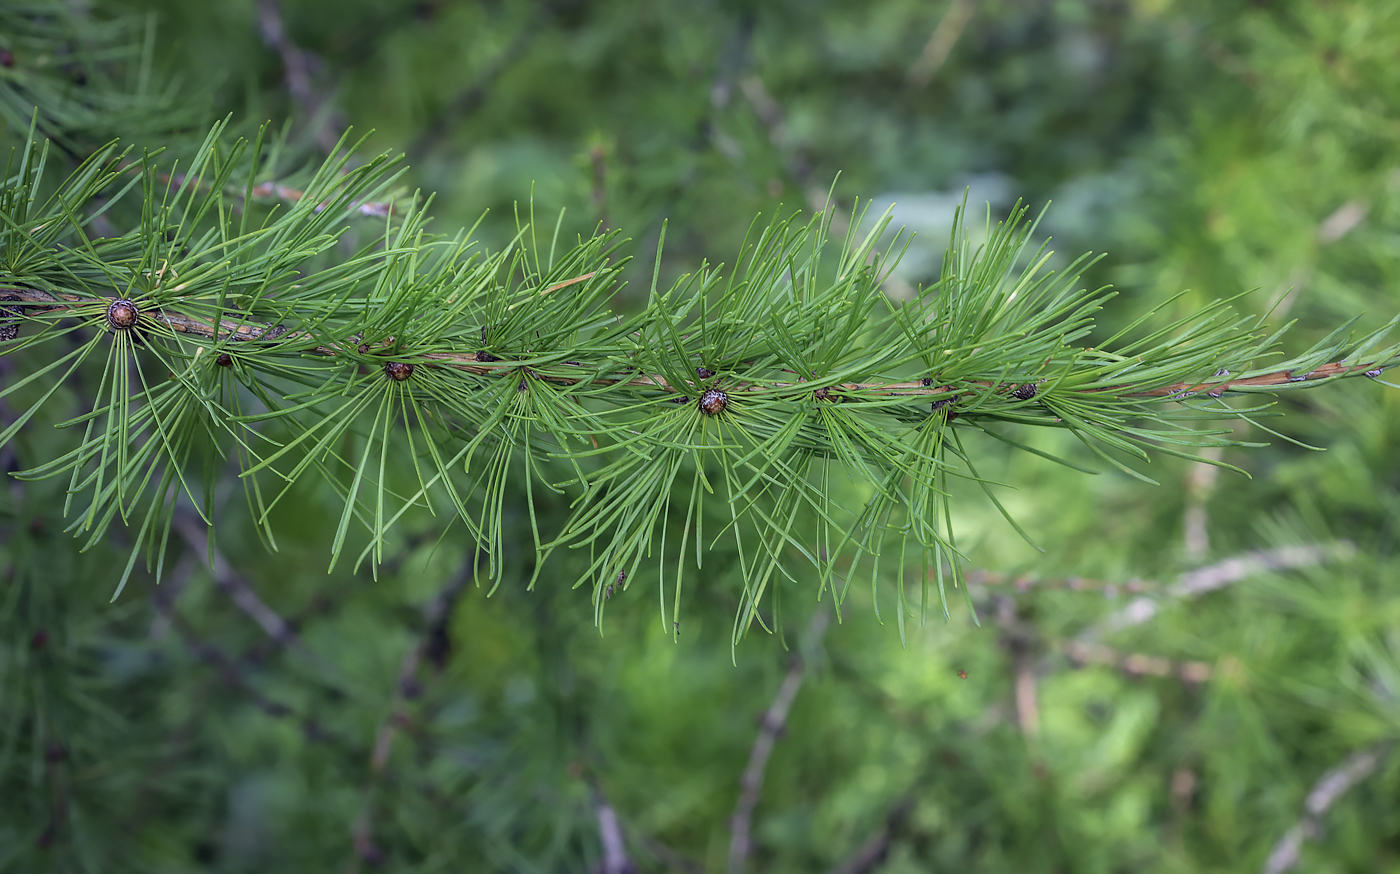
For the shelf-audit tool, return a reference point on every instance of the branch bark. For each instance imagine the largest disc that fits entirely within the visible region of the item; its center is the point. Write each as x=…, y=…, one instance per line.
x=482, y=365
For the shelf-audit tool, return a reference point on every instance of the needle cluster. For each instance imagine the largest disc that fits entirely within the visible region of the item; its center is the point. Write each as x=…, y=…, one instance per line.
x=176, y=324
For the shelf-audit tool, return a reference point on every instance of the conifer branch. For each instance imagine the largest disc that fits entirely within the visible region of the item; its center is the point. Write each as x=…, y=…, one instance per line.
x=418, y=372
x=486, y=364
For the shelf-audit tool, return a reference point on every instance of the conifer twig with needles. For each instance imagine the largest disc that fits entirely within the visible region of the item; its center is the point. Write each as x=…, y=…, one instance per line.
x=417, y=371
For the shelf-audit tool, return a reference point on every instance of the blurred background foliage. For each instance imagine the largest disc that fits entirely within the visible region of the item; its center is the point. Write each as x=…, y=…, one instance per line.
x=1201, y=676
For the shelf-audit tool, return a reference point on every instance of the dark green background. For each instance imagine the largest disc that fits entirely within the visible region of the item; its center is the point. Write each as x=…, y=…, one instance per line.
x=1205, y=146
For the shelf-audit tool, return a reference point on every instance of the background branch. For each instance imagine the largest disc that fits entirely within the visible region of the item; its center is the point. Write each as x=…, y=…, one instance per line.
x=770, y=728
x=1327, y=791
x=188, y=525
x=434, y=645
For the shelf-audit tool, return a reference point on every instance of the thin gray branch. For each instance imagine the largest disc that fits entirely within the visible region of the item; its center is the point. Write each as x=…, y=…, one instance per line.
x=1219, y=575
x=770, y=727
x=978, y=579
x=615, y=858
x=188, y=527
x=297, y=65
x=1136, y=664
x=432, y=645
x=1326, y=792
x=230, y=672
x=475, y=94
x=873, y=851
x=940, y=43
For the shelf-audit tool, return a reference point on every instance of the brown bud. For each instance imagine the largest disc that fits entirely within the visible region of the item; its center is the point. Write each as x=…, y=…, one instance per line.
x=398, y=370
x=713, y=402
x=122, y=314
x=224, y=360
x=1025, y=392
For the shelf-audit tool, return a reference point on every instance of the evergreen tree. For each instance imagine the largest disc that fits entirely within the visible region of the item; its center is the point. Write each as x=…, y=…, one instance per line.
x=198, y=318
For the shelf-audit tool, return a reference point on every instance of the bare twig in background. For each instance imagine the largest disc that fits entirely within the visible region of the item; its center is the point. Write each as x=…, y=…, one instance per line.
x=1195, y=524
x=188, y=526
x=770, y=115
x=734, y=59
x=297, y=64
x=434, y=646
x=470, y=98
x=9, y=460
x=940, y=43
x=598, y=192
x=1153, y=595
x=366, y=208
x=1340, y=222
x=267, y=190
x=1221, y=574
x=1025, y=582
x=229, y=672
x=615, y=858
x=1016, y=638
x=1326, y=792
x=169, y=592
x=1343, y=220
x=877, y=846
x=669, y=857
x=1136, y=664
x=799, y=168
x=751, y=782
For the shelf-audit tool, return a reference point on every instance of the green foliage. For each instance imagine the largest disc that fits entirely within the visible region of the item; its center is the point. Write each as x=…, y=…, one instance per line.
x=386, y=369
x=387, y=712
